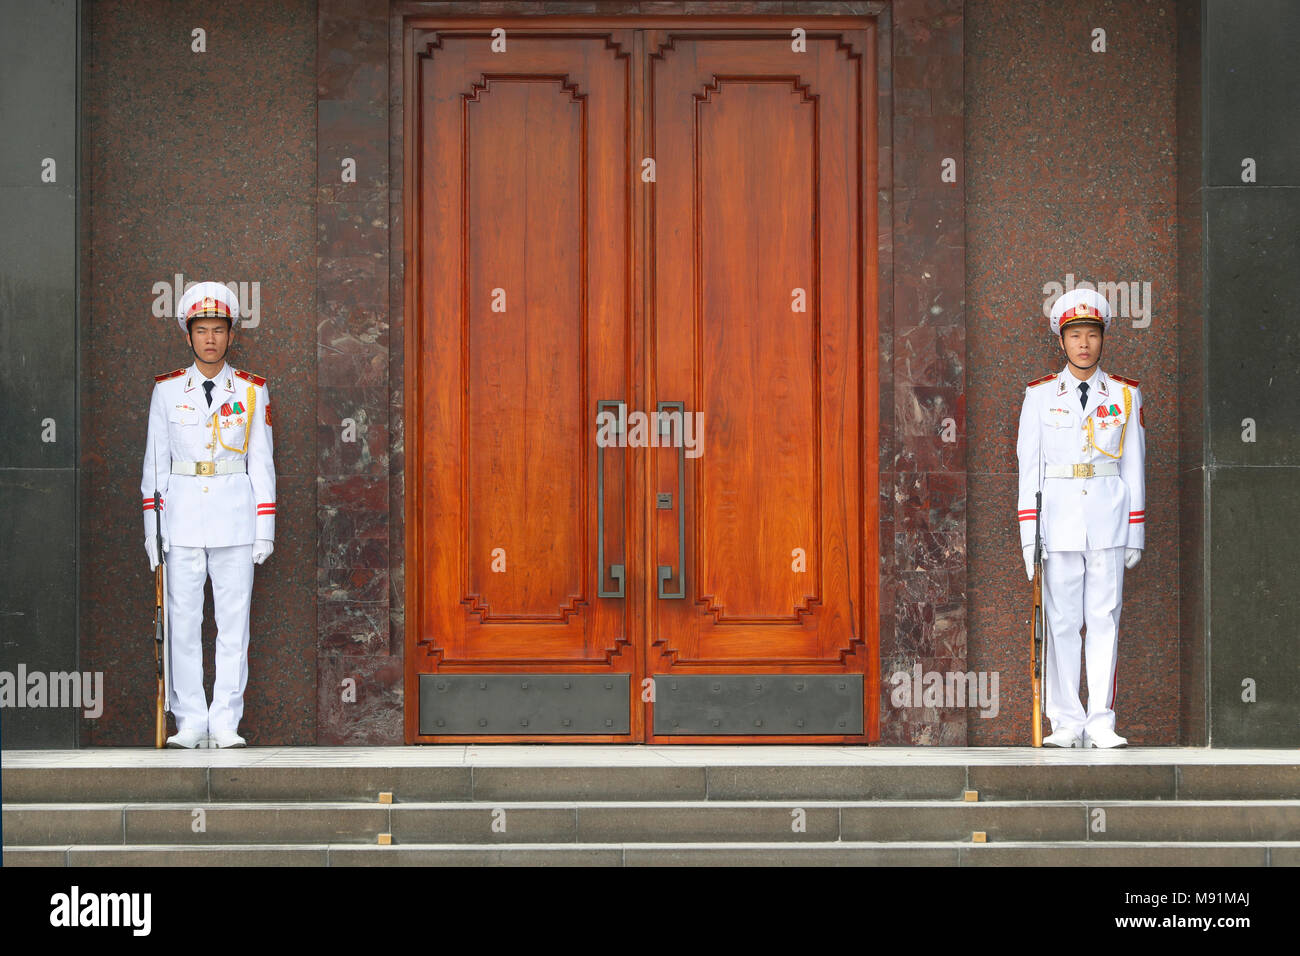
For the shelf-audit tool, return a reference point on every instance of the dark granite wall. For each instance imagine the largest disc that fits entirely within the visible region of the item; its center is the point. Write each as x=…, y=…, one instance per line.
x=1251, y=91
x=1193, y=578
x=41, y=57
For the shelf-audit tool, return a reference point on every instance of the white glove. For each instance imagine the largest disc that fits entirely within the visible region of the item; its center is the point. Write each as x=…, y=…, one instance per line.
x=151, y=549
x=262, y=550
x=1132, y=556
x=1028, y=551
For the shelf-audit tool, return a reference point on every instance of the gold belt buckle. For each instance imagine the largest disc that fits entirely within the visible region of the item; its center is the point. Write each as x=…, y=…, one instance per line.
x=1083, y=471
x=210, y=468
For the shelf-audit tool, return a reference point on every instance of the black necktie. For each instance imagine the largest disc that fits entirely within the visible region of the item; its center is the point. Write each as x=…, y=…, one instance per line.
x=209, y=386
x=1083, y=395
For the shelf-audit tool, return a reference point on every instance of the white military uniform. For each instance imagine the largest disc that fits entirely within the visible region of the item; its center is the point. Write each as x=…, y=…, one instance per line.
x=1087, y=523
x=212, y=466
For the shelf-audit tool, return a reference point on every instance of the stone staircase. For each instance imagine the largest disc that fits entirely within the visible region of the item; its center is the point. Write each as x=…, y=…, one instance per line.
x=624, y=806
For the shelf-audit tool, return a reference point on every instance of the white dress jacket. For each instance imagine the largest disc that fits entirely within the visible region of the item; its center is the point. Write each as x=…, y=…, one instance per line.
x=210, y=510
x=1082, y=514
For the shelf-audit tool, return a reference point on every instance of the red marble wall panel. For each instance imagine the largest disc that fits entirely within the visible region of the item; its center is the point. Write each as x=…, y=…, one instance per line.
x=197, y=163
x=1071, y=170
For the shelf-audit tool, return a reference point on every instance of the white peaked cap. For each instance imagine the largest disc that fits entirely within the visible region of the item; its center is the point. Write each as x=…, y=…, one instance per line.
x=1080, y=305
x=208, y=300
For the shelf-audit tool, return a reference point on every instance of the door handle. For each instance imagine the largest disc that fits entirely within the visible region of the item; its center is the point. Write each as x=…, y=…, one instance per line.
x=616, y=571
x=666, y=572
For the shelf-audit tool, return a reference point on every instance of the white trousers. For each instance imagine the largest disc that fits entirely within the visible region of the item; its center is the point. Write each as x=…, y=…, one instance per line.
x=231, y=570
x=1083, y=587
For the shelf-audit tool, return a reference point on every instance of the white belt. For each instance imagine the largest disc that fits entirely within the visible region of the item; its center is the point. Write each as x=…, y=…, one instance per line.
x=227, y=466
x=1099, y=470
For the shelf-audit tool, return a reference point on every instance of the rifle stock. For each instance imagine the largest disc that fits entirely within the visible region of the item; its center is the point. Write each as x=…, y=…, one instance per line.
x=1036, y=630
x=159, y=622
x=160, y=718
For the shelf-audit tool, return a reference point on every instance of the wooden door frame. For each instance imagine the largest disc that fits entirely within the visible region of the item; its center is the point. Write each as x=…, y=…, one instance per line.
x=869, y=378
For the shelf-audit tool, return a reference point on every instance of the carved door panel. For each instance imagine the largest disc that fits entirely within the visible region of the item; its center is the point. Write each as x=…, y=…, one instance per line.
x=756, y=330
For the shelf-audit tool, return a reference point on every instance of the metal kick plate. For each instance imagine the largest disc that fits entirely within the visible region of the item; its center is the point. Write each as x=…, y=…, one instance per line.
x=525, y=703
x=758, y=704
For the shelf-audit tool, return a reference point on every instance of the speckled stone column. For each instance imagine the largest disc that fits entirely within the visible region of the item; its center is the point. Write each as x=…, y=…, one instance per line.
x=359, y=660
x=923, y=443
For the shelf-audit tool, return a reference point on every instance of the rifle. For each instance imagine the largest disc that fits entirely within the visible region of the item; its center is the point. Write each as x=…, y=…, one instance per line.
x=160, y=649
x=1037, y=628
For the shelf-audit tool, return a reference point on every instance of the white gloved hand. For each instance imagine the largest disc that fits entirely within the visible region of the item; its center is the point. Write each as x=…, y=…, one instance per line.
x=1028, y=551
x=151, y=549
x=262, y=550
x=1132, y=556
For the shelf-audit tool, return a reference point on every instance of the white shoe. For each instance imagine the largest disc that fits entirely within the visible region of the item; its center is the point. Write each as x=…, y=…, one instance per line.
x=226, y=738
x=1104, y=739
x=1062, y=738
x=189, y=739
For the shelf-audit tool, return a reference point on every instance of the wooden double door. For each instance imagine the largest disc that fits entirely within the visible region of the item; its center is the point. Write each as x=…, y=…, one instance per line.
x=640, y=385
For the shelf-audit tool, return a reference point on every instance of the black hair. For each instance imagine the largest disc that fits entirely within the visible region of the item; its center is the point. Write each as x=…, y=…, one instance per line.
x=189, y=323
x=1101, y=327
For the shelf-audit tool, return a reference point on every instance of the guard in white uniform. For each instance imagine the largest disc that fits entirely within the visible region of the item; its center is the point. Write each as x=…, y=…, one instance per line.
x=209, y=455
x=1083, y=443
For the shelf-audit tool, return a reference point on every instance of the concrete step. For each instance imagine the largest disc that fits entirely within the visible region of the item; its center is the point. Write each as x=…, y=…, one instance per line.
x=601, y=822
x=329, y=781
x=848, y=853
x=627, y=806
